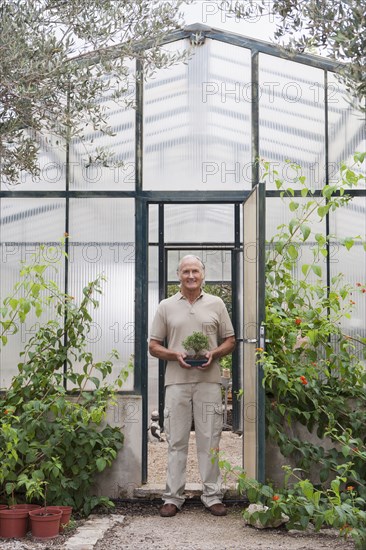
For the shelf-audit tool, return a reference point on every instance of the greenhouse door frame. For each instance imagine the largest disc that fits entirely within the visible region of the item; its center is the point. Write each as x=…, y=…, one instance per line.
x=237, y=266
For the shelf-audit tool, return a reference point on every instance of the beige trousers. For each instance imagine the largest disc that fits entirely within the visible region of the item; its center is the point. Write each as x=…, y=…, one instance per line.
x=204, y=401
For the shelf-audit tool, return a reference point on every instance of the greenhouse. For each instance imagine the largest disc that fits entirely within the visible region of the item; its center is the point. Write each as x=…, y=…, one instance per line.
x=193, y=178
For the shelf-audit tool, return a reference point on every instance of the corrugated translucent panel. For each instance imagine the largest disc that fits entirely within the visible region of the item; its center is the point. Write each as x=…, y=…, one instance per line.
x=197, y=121
x=30, y=230
x=101, y=161
x=292, y=119
x=153, y=223
x=199, y=223
x=217, y=264
x=278, y=213
x=350, y=221
x=51, y=163
x=347, y=129
x=102, y=243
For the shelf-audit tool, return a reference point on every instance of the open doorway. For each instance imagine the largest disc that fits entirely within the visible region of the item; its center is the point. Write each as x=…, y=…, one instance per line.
x=219, y=281
x=233, y=258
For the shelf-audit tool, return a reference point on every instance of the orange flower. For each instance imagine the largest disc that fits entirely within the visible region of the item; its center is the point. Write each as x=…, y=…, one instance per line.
x=6, y=411
x=259, y=350
x=350, y=488
x=298, y=321
x=303, y=380
x=275, y=498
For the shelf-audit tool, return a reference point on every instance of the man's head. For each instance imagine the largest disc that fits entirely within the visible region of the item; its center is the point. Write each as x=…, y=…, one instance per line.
x=191, y=273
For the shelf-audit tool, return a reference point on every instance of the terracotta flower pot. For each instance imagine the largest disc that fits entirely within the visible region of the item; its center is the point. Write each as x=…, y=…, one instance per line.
x=3, y=506
x=66, y=515
x=45, y=523
x=26, y=507
x=13, y=523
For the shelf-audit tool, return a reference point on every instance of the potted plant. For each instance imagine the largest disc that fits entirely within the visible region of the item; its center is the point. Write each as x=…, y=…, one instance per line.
x=13, y=523
x=226, y=366
x=45, y=523
x=66, y=514
x=196, y=345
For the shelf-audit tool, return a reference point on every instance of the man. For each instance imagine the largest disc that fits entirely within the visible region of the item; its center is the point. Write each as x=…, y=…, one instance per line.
x=192, y=390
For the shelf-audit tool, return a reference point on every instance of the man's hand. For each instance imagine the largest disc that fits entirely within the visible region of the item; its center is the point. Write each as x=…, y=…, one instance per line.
x=182, y=363
x=206, y=365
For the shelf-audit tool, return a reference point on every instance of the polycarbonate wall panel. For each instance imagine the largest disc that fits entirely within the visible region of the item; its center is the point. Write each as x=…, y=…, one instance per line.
x=90, y=169
x=199, y=223
x=30, y=230
x=217, y=264
x=153, y=223
x=197, y=121
x=278, y=213
x=292, y=119
x=347, y=130
x=51, y=164
x=350, y=221
x=102, y=243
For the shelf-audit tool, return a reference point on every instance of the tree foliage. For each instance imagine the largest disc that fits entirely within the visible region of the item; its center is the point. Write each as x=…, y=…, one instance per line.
x=58, y=58
x=333, y=26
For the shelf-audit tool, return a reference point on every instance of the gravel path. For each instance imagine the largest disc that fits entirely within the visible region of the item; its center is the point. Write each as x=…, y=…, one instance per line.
x=194, y=528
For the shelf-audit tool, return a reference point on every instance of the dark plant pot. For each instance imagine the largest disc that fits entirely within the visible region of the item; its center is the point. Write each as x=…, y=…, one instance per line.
x=66, y=514
x=195, y=361
x=45, y=523
x=13, y=523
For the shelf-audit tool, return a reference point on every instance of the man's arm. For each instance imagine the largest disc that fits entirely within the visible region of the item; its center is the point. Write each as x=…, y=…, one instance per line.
x=226, y=347
x=161, y=352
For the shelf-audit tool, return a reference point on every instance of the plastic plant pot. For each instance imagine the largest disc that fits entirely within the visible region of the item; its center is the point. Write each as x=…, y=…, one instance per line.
x=45, y=523
x=66, y=515
x=13, y=523
x=26, y=507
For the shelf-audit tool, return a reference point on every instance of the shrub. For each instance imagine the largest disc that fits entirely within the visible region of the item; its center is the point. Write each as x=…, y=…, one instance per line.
x=52, y=439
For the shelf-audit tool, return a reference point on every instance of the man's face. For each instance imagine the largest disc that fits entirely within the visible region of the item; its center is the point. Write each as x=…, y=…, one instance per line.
x=191, y=275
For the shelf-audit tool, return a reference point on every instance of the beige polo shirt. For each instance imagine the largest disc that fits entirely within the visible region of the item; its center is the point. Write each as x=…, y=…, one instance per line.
x=176, y=319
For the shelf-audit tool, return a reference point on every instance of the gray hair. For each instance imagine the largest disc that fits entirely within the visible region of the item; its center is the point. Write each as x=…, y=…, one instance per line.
x=190, y=257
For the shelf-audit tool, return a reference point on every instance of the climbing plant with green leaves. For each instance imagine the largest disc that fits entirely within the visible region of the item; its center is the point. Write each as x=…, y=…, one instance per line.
x=314, y=369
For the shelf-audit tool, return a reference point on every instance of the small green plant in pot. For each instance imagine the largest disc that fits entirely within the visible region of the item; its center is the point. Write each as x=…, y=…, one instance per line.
x=196, y=345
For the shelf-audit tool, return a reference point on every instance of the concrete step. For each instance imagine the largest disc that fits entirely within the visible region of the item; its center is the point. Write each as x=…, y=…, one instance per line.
x=193, y=491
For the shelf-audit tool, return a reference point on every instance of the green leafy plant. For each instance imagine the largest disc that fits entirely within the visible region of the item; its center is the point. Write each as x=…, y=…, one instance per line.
x=313, y=369
x=300, y=503
x=197, y=342
x=51, y=437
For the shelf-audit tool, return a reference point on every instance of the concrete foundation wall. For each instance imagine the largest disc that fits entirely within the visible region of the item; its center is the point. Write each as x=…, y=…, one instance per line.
x=124, y=475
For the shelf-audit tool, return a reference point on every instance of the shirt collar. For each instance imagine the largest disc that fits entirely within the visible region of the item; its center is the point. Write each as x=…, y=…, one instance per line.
x=180, y=296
